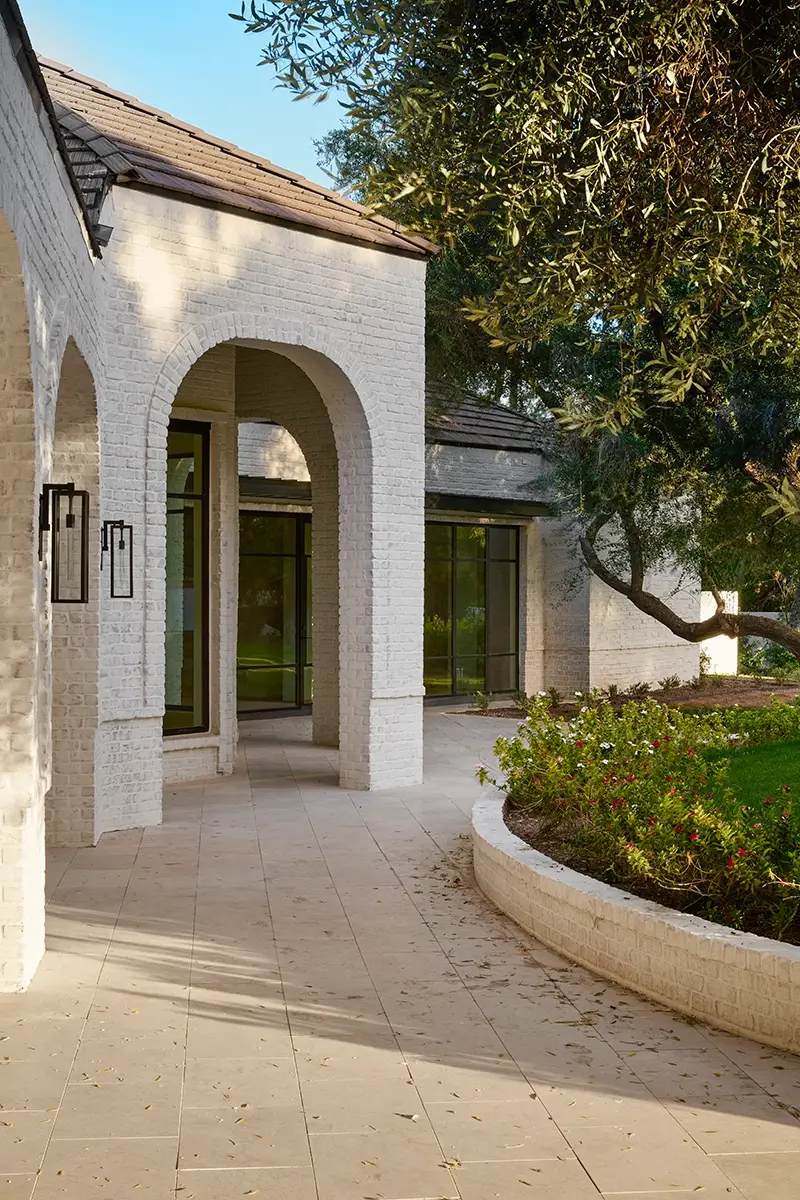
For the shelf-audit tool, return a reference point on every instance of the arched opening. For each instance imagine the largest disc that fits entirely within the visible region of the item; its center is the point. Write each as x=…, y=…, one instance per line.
x=366, y=556
x=21, y=819
x=70, y=802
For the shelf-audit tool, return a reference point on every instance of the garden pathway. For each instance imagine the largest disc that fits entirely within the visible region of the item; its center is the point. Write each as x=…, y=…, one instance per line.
x=294, y=993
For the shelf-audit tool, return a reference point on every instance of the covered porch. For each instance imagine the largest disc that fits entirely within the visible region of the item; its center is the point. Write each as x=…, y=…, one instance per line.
x=295, y=992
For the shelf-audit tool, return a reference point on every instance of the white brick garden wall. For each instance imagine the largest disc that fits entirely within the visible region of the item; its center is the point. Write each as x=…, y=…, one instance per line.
x=739, y=982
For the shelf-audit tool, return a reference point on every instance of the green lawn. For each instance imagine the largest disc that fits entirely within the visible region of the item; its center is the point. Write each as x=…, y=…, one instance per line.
x=763, y=771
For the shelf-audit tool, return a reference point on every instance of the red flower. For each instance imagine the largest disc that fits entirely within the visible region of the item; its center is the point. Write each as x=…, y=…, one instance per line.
x=730, y=862
x=616, y=803
x=651, y=820
x=694, y=836
x=742, y=853
x=656, y=744
x=579, y=744
x=786, y=788
x=678, y=828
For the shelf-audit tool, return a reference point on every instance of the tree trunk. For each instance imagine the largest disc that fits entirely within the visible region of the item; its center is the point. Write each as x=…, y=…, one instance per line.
x=732, y=625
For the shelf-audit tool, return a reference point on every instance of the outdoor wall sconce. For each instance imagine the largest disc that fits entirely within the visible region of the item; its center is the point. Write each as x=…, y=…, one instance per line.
x=118, y=541
x=64, y=513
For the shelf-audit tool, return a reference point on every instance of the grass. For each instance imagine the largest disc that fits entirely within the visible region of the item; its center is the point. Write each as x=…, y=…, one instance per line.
x=762, y=771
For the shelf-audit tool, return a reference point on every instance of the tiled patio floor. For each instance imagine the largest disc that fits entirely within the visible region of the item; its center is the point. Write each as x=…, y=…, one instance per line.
x=292, y=993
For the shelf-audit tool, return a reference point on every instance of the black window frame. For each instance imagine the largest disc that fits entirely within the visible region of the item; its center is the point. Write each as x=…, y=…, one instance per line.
x=203, y=429
x=454, y=559
x=302, y=522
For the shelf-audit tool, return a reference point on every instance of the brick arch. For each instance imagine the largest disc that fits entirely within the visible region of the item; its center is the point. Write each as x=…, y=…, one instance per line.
x=21, y=819
x=335, y=373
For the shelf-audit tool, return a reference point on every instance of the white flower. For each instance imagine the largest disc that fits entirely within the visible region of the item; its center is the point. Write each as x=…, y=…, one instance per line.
x=606, y=745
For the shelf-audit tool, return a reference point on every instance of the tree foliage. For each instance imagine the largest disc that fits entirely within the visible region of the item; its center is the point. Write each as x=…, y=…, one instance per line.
x=618, y=186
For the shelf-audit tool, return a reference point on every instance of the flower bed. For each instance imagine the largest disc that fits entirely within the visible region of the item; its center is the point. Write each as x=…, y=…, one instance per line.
x=641, y=799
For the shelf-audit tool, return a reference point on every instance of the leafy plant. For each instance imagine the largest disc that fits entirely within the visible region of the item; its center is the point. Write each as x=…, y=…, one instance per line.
x=555, y=697
x=705, y=662
x=612, y=691
x=641, y=797
x=481, y=701
x=522, y=701
x=670, y=682
x=642, y=688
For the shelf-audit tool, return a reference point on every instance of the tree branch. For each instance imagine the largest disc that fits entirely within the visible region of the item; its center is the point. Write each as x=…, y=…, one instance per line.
x=732, y=625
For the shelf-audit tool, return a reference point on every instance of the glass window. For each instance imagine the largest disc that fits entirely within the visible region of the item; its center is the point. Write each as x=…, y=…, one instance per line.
x=273, y=655
x=186, y=638
x=501, y=603
x=471, y=541
x=471, y=608
x=438, y=540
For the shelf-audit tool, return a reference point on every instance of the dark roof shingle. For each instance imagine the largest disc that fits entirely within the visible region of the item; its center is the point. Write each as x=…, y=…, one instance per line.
x=460, y=419
x=131, y=142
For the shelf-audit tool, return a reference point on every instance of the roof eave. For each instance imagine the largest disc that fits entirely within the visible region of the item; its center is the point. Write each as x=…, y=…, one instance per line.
x=29, y=66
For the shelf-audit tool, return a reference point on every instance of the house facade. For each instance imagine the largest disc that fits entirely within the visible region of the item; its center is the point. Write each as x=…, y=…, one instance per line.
x=176, y=315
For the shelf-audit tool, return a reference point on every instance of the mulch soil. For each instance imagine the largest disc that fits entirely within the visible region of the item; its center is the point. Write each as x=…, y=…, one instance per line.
x=716, y=691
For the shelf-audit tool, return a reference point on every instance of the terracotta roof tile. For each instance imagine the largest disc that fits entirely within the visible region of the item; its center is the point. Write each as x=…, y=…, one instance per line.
x=140, y=144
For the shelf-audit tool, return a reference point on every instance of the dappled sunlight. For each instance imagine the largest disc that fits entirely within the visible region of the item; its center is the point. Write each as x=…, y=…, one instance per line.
x=277, y=925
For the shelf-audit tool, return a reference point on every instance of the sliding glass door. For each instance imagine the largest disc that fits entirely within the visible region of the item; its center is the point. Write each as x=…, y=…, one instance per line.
x=471, y=609
x=273, y=660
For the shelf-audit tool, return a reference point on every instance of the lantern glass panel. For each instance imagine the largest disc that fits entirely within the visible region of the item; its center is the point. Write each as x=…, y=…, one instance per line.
x=70, y=560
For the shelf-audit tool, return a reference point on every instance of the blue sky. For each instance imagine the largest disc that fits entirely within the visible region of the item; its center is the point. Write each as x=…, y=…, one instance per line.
x=190, y=59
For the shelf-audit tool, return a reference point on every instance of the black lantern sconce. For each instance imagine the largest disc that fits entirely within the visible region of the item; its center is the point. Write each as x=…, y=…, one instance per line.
x=118, y=542
x=64, y=514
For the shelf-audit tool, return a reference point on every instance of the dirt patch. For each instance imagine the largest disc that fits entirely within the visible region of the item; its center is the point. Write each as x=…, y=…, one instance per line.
x=716, y=691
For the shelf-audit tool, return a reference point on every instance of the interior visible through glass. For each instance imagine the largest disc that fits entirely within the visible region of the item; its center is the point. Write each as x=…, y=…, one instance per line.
x=186, y=639
x=471, y=608
x=273, y=657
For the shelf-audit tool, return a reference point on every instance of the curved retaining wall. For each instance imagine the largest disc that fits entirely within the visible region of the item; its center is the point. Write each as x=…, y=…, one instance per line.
x=737, y=981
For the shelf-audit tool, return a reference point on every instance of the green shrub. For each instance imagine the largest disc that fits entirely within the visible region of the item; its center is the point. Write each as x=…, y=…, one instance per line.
x=481, y=701
x=640, y=689
x=670, y=682
x=555, y=697
x=641, y=798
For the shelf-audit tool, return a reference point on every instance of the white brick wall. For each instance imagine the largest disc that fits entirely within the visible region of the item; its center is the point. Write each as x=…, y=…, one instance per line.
x=47, y=294
x=737, y=981
x=178, y=280
x=270, y=452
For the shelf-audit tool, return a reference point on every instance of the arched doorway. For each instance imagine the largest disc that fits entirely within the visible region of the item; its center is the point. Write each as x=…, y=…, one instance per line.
x=367, y=549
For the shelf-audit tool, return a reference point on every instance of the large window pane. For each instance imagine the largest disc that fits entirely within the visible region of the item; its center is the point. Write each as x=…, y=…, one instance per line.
x=470, y=602
x=274, y=639
x=267, y=611
x=438, y=540
x=438, y=677
x=265, y=533
x=265, y=688
x=438, y=608
x=502, y=673
x=470, y=541
x=470, y=675
x=186, y=638
x=501, y=599
x=502, y=542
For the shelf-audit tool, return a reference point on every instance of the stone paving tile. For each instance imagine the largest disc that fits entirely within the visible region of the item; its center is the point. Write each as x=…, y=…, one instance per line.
x=291, y=991
x=128, y=1168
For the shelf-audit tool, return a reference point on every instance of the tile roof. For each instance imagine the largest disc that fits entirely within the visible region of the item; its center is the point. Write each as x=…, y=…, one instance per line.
x=116, y=138
x=461, y=419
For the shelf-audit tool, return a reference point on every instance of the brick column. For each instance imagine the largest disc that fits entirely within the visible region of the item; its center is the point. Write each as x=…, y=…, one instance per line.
x=21, y=800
